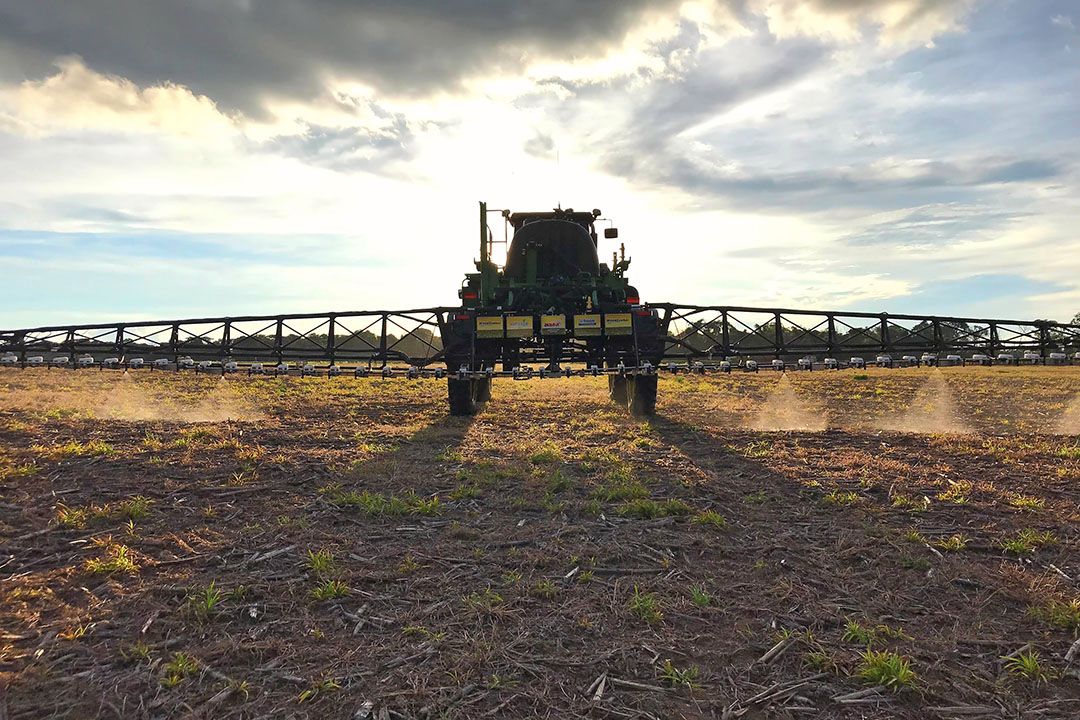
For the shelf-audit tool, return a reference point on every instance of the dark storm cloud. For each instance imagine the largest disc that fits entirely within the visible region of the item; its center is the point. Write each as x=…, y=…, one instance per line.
x=241, y=52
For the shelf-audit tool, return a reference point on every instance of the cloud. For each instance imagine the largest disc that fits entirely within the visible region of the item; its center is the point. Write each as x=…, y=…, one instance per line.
x=247, y=55
x=540, y=145
x=244, y=55
x=78, y=98
x=882, y=184
x=895, y=22
x=1063, y=21
x=349, y=148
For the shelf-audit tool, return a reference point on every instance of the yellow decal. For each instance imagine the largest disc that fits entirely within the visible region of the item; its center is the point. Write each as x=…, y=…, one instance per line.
x=490, y=326
x=552, y=324
x=618, y=324
x=585, y=325
x=519, y=326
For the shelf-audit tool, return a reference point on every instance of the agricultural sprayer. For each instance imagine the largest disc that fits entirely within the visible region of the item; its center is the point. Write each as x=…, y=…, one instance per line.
x=553, y=309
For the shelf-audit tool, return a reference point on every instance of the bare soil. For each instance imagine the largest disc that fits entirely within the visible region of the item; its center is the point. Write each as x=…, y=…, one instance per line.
x=881, y=498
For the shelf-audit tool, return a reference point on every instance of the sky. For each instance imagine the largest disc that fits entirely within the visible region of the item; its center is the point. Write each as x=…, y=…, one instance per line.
x=169, y=159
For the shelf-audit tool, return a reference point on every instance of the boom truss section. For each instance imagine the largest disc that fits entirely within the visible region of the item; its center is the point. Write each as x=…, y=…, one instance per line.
x=383, y=338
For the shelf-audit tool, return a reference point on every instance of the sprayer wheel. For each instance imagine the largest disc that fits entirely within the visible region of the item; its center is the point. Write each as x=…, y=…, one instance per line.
x=483, y=390
x=617, y=389
x=461, y=396
x=643, y=395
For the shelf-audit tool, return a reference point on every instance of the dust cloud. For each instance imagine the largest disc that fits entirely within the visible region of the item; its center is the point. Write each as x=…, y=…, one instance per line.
x=932, y=411
x=121, y=397
x=1070, y=419
x=785, y=410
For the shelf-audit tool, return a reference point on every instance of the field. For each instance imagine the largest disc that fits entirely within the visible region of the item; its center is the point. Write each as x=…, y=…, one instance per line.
x=878, y=544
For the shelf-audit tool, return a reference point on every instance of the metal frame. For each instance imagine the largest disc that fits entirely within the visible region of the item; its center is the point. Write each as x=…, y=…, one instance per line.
x=695, y=331
x=381, y=338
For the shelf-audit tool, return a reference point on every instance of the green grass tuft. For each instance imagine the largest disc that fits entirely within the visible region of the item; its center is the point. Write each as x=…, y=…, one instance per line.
x=887, y=669
x=117, y=559
x=651, y=509
x=711, y=518
x=1028, y=666
x=329, y=590
x=676, y=677
x=645, y=606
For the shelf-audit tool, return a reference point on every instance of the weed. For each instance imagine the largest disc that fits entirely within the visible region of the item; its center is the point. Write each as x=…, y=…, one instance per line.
x=486, y=600
x=651, y=509
x=461, y=532
x=1027, y=666
x=74, y=634
x=241, y=688
x=890, y=633
x=422, y=506
x=758, y=449
x=710, y=518
x=558, y=482
x=321, y=563
x=546, y=589
x=1028, y=541
x=957, y=492
x=9, y=470
x=408, y=565
x=72, y=518
x=1026, y=502
x=205, y=602
x=377, y=504
x=819, y=660
x=904, y=502
x=329, y=590
x=887, y=669
x=436, y=636
x=954, y=543
x=756, y=498
x=699, y=596
x=914, y=536
x=1061, y=613
x=74, y=449
x=318, y=688
x=450, y=455
x=1069, y=452
x=645, y=606
x=914, y=563
x=465, y=492
x=592, y=507
x=511, y=577
x=619, y=487
x=135, y=508
x=675, y=677
x=547, y=454
x=585, y=576
x=117, y=559
x=855, y=632
x=179, y=667
x=842, y=499
x=135, y=652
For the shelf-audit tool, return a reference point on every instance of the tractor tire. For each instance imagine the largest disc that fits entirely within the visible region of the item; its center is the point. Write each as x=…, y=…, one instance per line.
x=461, y=395
x=617, y=386
x=643, y=395
x=483, y=390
